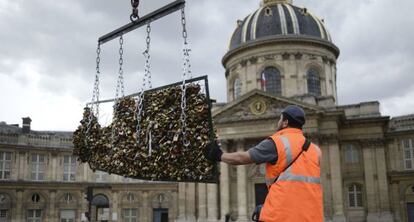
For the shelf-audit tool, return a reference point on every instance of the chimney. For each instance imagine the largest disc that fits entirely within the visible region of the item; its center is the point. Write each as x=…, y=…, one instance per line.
x=26, y=124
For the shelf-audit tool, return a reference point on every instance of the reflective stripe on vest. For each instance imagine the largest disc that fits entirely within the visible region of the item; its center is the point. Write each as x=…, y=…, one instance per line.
x=286, y=175
x=298, y=178
x=288, y=151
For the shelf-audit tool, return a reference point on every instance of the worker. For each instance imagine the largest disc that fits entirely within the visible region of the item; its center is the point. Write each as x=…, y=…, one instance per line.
x=292, y=170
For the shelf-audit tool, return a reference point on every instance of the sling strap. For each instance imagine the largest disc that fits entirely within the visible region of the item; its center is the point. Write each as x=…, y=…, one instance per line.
x=305, y=148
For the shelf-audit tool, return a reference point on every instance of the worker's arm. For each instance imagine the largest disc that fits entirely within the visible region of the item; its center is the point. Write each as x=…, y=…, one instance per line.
x=264, y=152
x=237, y=158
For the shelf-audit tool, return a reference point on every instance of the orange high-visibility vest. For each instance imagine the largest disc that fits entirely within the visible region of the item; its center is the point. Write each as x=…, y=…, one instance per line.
x=296, y=196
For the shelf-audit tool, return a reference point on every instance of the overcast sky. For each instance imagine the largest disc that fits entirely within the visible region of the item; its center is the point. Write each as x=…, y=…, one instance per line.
x=47, y=52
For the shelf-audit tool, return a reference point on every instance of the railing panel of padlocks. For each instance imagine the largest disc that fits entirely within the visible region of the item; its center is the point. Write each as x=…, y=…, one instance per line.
x=152, y=146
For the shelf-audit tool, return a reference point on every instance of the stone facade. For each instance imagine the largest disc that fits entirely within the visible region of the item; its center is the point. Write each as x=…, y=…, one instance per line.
x=40, y=180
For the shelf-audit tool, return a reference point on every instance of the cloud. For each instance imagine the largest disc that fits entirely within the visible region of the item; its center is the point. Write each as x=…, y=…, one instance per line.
x=47, y=55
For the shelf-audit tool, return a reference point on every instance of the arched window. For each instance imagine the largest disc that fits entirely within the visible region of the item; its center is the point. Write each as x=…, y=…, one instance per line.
x=35, y=198
x=314, y=82
x=271, y=81
x=68, y=197
x=351, y=154
x=237, y=88
x=355, y=195
x=130, y=197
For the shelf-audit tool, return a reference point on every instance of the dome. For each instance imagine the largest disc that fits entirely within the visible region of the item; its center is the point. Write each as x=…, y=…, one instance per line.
x=279, y=19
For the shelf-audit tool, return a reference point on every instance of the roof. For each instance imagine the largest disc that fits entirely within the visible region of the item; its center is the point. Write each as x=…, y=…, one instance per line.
x=277, y=20
x=12, y=134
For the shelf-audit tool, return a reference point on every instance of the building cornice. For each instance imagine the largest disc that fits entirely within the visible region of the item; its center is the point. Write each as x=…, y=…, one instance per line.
x=271, y=40
x=395, y=176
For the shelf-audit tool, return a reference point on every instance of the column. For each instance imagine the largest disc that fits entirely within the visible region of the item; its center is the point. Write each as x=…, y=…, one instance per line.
x=55, y=175
x=241, y=187
x=326, y=179
x=190, y=202
x=181, y=201
x=202, y=202
x=336, y=181
x=23, y=168
x=19, y=205
x=84, y=205
x=396, y=201
x=52, y=206
x=383, y=193
x=370, y=184
x=174, y=210
x=86, y=171
x=115, y=211
x=212, y=203
x=145, y=206
x=224, y=184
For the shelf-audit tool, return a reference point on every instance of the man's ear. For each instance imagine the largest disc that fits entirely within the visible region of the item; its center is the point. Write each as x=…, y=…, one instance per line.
x=285, y=123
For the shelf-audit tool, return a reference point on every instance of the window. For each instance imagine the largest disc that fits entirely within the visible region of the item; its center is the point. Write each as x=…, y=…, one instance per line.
x=101, y=176
x=69, y=168
x=271, y=81
x=130, y=215
x=130, y=197
x=314, y=83
x=408, y=147
x=38, y=166
x=3, y=198
x=68, y=197
x=34, y=215
x=237, y=88
x=355, y=195
x=67, y=216
x=35, y=198
x=5, y=165
x=4, y=215
x=351, y=154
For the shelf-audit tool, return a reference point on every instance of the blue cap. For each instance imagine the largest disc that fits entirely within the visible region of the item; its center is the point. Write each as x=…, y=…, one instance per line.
x=295, y=113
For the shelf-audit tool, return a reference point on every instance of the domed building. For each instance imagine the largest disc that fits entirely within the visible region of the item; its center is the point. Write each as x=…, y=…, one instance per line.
x=279, y=55
x=285, y=51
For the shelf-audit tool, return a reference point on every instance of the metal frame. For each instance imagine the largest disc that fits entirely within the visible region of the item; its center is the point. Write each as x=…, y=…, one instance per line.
x=204, y=78
x=155, y=15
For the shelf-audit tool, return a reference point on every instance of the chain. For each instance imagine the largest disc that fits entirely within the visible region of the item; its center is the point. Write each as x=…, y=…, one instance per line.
x=147, y=78
x=186, y=73
x=134, y=16
x=120, y=83
x=149, y=137
x=95, y=93
x=147, y=56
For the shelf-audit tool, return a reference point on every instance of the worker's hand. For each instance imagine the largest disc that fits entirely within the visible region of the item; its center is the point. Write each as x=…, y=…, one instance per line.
x=213, y=152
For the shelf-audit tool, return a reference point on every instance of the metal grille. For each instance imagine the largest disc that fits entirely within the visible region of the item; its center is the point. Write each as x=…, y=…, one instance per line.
x=130, y=215
x=34, y=216
x=69, y=168
x=38, y=166
x=351, y=154
x=408, y=153
x=4, y=216
x=271, y=81
x=314, y=82
x=5, y=165
x=355, y=195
